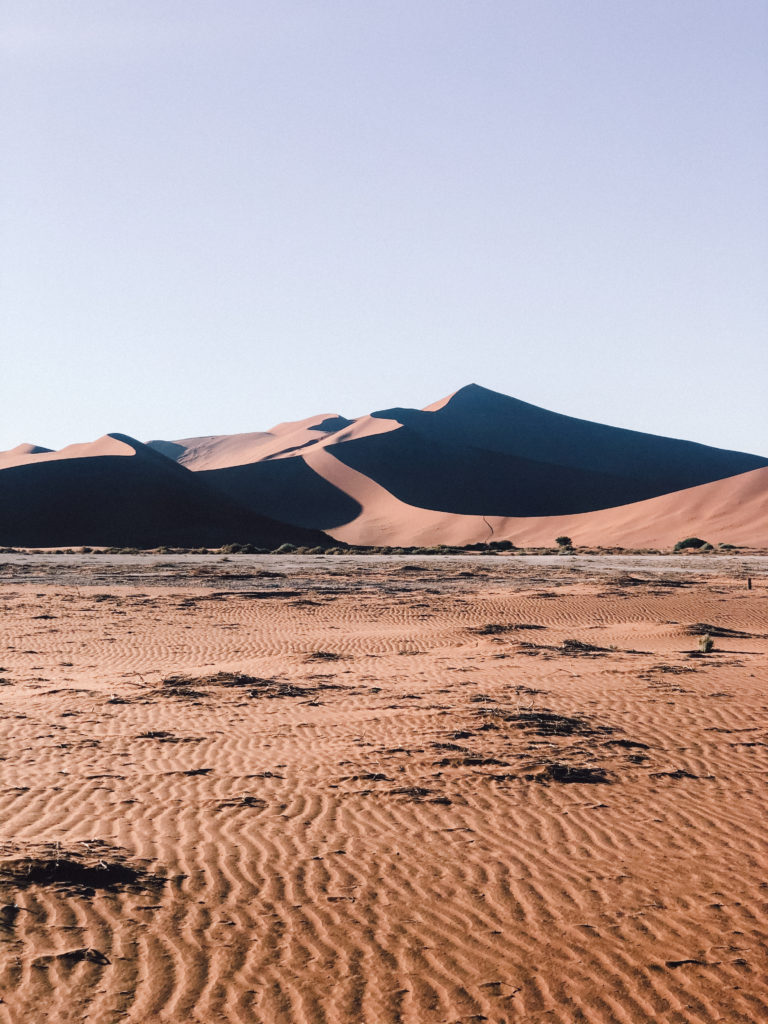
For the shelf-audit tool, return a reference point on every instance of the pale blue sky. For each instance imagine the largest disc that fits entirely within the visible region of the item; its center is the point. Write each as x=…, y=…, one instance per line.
x=218, y=215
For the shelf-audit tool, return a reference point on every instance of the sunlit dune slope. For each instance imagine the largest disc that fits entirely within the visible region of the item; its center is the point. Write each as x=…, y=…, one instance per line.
x=474, y=466
x=733, y=511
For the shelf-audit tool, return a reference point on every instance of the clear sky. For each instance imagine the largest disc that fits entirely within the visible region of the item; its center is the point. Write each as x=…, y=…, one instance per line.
x=220, y=214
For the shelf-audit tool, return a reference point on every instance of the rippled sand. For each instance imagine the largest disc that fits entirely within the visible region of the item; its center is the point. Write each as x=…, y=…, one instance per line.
x=382, y=790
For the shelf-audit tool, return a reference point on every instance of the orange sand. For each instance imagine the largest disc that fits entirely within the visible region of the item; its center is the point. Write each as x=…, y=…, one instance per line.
x=29, y=455
x=730, y=511
x=375, y=834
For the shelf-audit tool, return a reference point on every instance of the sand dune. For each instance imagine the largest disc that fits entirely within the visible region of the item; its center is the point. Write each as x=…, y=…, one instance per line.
x=471, y=467
x=404, y=795
x=26, y=449
x=731, y=511
x=284, y=484
x=478, y=465
x=32, y=455
x=226, y=450
x=483, y=453
x=118, y=492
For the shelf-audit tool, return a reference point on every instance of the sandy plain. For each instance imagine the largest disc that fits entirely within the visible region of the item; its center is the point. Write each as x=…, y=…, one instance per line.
x=341, y=790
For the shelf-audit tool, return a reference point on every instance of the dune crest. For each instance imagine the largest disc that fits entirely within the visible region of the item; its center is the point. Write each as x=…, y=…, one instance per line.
x=27, y=449
x=109, y=444
x=93, y=494
x=731, y=511
x=472, y=467
x=478, y=465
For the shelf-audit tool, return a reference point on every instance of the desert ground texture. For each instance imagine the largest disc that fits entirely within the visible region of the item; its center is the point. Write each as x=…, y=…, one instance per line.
x=369, y=790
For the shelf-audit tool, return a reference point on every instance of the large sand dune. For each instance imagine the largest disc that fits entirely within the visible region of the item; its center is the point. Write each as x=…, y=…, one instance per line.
x=483, y=453
x=730, y=511
x=117, y=491
x=456, y=790
x=444, y=475
x=34, y=455
x=472, y=467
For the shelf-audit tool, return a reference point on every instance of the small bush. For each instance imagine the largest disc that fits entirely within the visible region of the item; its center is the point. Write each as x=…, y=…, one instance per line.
x=689, y=542
x=285, y=549
x=324, y=656
x=706, y=644
x=564, y=542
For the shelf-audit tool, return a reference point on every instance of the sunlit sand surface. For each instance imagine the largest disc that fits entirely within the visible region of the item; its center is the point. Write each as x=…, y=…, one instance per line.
x=338, y=790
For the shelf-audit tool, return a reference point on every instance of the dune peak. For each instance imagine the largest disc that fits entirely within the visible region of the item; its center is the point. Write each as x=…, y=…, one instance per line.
x=469, y=393
x=28, y=449
x=404, y=475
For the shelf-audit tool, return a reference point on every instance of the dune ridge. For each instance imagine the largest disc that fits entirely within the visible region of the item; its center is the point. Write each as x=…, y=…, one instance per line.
x=406, y=477
x=119, y=492
x=33, y=455
x=470, y=468
x=731, y=511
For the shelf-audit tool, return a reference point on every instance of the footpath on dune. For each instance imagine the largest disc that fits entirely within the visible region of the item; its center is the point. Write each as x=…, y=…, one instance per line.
x=731, y=511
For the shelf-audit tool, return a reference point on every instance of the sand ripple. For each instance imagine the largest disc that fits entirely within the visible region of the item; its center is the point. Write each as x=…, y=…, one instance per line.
x=403, y=824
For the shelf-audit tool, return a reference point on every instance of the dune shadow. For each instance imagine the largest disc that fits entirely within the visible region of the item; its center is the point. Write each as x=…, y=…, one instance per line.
x=288, y=490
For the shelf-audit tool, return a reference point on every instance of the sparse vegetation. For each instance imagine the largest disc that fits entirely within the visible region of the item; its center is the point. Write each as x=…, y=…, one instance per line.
x=691, y=542
x=91, y=865
x=493, y=628
x=706, y=644
x=581, y=647
x=324, y=656
x=568, y=773
x=544, y=722
x=701, y=628
x=256, y=686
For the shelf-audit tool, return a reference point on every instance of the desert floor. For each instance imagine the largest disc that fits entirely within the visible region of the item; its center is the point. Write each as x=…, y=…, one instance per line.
x=340, y=790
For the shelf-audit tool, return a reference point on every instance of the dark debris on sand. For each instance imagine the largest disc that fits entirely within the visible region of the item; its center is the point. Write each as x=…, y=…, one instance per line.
x=558, y=771
x=86, y=867
x=257, y=686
